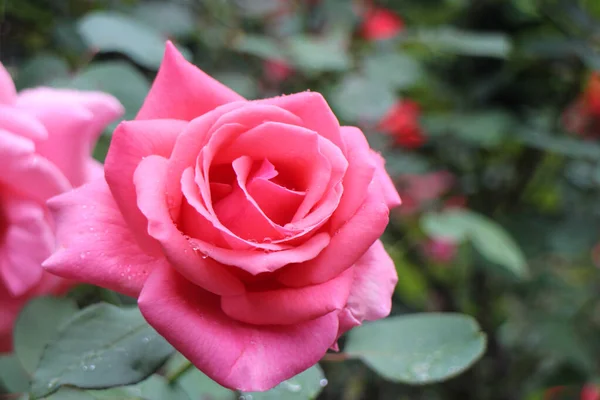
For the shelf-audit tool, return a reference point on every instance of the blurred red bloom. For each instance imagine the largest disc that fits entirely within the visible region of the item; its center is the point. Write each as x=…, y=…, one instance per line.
x=417, y=190
x=277, y=70
x=380, y=24
x=440, y=251
x=590, y=392
x=582, y=117
x=402, y=122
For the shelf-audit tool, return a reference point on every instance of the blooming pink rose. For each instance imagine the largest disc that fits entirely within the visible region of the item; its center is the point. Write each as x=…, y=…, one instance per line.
x=46, y=137
x=248, y=229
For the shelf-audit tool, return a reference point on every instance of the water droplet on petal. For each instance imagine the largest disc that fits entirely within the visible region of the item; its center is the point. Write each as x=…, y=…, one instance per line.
x=267, y=240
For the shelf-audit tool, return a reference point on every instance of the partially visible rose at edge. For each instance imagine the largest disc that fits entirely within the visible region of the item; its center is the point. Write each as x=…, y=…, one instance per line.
x=46, y=138
x=248, y=230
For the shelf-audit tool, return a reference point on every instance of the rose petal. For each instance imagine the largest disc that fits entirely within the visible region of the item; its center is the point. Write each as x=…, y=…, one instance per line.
x=289, y=305
x=131, y=142
x=26, y=172
x=95, y=244
x=358, y=176
x=392, y=198
x=182, y=91
x=27, y=242
x=347, y=245
x=149, y=178
x=22, y=124
x=8, y=92
x=236, y=355
x=314, y=111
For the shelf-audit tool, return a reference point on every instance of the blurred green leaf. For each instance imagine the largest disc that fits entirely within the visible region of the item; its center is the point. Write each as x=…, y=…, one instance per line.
x=485, y=128
x=312, y=54
x=418, y=348
x=154, y=388
x=561, y=145
x=413, y=287
x=306, y=385
x=12, y=375
x=357, y=98
x=487, y=236
x=36, y=325
x=395, y=69
x=260, y=46
x=73, y=394
x=118, y=78
x=170, y=18
x=101, y=346
x=108, y=31
x=242, y=84
x=196, y=384
x=452, y=40
x=40, y=70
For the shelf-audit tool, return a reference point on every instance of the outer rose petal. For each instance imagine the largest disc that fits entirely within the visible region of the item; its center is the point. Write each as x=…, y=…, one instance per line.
x=8, y=92
x=20, y=123
x=182, y=91
x=131, y=142
x=74, y=120
x=236, y=355
x=390, y=193
x=26, y=172
x=27, y=242
x=358, y=176
x=289, y=305
x=95, y=243
x=150, y=181
x=370, y=297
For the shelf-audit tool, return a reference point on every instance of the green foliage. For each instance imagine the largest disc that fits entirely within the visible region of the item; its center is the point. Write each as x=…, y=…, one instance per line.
x=420, y=348
x=101, y=346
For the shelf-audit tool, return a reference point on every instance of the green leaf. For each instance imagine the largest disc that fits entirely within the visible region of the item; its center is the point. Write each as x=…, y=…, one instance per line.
x=484, y=128
x=321, y=54
x=357, y=98
x=260, y=46
x=487, y=236
x=12, y=375
x=102, y=346
x=72, y=394
x=566, y=146
x=241, y=83
x=306, y=385
x=196, y=384
x=36, y=325
x=170, y=18
x=396, y=69
x=113, y=32
x=118, y=78
x=154, y=388
x=40, y=70
x=452, y=40
x=418, y=348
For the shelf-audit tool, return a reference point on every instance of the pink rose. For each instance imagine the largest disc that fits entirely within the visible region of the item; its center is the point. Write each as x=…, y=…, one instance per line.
x=46, y=136
x=248, y=229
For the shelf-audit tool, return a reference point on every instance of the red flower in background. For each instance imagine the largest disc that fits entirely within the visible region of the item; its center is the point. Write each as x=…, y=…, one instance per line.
x=402, y=122
x=380, y=24
x=417, y=190
x=583, y=116
x=440, y=251
x=590, y=392
x=277, y=70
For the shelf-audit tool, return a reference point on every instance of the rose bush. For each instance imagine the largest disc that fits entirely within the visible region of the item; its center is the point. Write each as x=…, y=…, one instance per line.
x=248, y=229
x=46, y=139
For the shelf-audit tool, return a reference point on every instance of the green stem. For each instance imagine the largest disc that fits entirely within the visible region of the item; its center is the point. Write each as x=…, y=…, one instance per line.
x=175, y=375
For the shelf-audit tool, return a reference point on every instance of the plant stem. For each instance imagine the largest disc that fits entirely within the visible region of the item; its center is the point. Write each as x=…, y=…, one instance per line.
x=335, y=357
x=175, y=375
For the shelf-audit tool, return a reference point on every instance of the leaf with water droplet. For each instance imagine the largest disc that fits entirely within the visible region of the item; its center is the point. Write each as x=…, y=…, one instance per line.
x=120, y=345
x=36, y=325
x=418, y=348
x=306, y=385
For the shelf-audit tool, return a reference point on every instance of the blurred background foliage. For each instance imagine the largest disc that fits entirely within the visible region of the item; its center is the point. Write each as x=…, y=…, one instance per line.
x=487, y=112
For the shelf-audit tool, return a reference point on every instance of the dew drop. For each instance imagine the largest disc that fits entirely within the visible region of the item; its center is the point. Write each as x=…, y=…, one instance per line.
x=85, y=367
x=82, y=256
x=323, y=382
x=267, y=240
x=92, y=367
x=292, y=387
x=145, y=339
